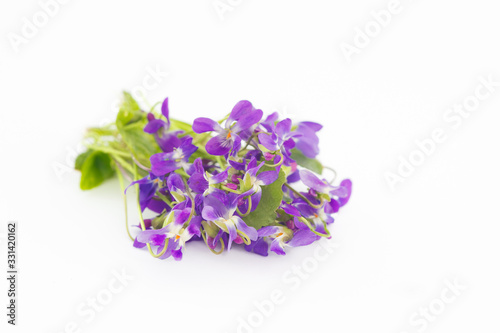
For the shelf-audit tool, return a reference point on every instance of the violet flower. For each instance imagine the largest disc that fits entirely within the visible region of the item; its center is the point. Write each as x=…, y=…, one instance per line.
x=202, y=181
x=159, y=128
x=175, y=232
x=280, y=138
x=163, y=163
x=219, y=208
x=242, y=117
x=252, y=180
x=147, y=189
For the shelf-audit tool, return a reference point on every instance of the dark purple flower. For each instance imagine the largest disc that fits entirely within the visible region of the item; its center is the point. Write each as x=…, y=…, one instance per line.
x=159, y=128
x=219, y=208
x=252, y=181
x=242, y=117
x=147, y=189
x=202, y=181
x=175, y=231
x=260, y=247
x=163, y=163
x=280, y=138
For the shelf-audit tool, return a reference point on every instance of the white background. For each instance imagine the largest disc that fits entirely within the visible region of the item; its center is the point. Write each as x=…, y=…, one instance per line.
x=396, y=247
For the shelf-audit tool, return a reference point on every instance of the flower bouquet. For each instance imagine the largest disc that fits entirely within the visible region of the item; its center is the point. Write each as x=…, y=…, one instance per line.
x=244, y=180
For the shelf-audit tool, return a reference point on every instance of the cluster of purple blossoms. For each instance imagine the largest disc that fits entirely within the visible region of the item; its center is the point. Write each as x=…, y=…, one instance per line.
x=243, y=180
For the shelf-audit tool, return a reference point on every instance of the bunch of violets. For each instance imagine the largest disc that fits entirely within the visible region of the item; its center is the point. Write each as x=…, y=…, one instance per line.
x=244, y=180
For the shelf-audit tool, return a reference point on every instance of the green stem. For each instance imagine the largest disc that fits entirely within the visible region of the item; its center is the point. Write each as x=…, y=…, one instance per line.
x=249, y=208
x=230, y=190
x=249, y=141
x=277, y=164
x=122, y=186
x=304, y=198
x=306, y=222
x=124, y=164
x=143, y=225
x=203, y=234
x=334, y=173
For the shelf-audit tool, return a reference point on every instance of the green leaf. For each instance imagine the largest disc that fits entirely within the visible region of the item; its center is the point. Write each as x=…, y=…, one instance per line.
x=130, y=122
x=306, y=162
x=95, y=170
x=80, y=159
x=129, y=112
x=272, y=194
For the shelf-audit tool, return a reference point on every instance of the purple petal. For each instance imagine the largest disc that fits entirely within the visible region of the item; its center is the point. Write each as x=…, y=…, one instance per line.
x=160, y=166
x=310, y=180
x=250, y=231
x=169, y=141
x=146, y=193
x=258, y=247
x=303, y=238
x=268, y=123
x=198, y=183
x=267, y=177
x=277, y=247
x=267, y=231
x=177, y=254
x=347, y=184
x=196, y=167
x=209, y=213
x=289, y=209
x=147, y=235
x=231, y=229
x=164, y=110
x=157, y=205
x=238, y=165
x=201, y=125
x=181, y=216
x=154, y=125
x=241, y=108
x=313, y=126
x=219, y=178
x=175, y=183
x=236, y=145
x=247, y=120
x=284, y=127
x=293, y=177
x=138, y=244
x=256, y=198
x=268, y=141
x=219, y=145
x=194, y=226
x=308, y=142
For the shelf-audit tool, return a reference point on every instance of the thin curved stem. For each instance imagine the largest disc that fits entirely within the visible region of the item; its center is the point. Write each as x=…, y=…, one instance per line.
x=143, y=225
x=249, y=210
x=229, y=189
x=277, y=164
x=203, y=234
x=334, y=173
x=250, y=140
x=145, y=168
x=304, y=198
x=308, y=224
x=122, y=186
x=244, y=236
